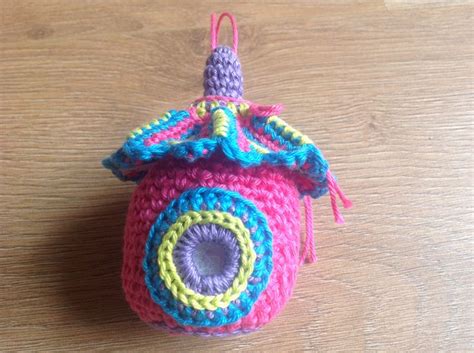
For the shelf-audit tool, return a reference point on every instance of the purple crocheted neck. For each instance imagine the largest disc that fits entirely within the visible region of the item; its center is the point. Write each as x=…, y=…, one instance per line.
x=223, y=75
x=207, y=257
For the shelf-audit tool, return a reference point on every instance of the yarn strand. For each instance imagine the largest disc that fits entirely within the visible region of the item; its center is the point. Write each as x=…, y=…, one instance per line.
x=215, y=28
x=334, y=192
x=309, y=248
x=213, y=32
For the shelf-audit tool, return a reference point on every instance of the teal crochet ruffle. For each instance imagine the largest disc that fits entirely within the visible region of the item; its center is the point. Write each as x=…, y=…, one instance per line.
x=250, y=141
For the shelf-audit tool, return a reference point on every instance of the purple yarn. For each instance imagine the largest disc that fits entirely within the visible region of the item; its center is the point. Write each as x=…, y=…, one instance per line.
x=207, y=257
x=223, y=75
x=181, y=331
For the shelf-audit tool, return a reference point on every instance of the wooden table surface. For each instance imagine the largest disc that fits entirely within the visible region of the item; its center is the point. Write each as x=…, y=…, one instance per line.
x=383, y=87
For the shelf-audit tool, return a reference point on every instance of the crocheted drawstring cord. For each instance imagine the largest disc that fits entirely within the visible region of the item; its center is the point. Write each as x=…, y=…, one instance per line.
x=309, y=248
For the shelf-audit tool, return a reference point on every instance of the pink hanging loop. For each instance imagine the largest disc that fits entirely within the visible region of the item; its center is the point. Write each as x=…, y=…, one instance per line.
x=216, y=27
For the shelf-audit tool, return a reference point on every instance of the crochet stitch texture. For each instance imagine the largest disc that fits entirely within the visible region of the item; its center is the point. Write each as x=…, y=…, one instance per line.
x=212, y=237
x=266, y=189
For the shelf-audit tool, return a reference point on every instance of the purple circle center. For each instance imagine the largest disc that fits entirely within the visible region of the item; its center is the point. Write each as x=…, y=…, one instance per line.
x=207, y=257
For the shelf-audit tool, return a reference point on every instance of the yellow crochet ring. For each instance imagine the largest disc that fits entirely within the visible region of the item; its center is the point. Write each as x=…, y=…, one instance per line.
x=170, y=275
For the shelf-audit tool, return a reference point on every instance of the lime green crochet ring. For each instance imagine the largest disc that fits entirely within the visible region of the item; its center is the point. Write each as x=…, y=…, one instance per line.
x=172, y=279
x=235, y=217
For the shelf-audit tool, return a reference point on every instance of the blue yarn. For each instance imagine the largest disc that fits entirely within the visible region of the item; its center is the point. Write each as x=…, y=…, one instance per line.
x=195, y=199
x=127, y=163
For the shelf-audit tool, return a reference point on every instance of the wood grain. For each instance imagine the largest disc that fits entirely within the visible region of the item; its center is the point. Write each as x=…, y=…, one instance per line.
x=384, y=87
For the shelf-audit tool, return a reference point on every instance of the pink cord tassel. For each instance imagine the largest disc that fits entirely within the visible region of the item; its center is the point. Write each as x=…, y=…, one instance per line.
x=309, y=248
x=334, y=191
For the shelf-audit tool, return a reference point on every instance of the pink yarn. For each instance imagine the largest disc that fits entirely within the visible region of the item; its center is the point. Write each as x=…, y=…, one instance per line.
x=309, y=249
x=272, y=145
x=256, y=109
x=271, y=189
x=215, y=28
x=242, y=141
x=174, y=132
x=222, y=99
x=266, y=110
x=334, y=191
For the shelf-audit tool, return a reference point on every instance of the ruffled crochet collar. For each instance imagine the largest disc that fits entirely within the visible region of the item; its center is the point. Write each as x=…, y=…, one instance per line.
x=246, y=133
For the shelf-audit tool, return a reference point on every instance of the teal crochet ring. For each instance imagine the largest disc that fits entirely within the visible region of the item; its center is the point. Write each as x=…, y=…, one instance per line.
x=246, y=223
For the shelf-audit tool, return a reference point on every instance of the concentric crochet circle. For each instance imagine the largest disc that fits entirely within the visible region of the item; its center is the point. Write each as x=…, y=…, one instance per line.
x=207, y=258
x=208, y=216
x=173, y=281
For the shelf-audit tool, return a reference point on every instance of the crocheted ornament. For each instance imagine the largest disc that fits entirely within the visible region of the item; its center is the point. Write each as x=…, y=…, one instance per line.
x=212, y=243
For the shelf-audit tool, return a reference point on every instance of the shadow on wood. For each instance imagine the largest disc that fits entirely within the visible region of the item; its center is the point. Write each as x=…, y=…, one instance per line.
x=89, y=258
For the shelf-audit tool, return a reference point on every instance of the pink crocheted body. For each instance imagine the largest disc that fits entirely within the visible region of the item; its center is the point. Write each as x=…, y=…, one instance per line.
x=272, y=191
